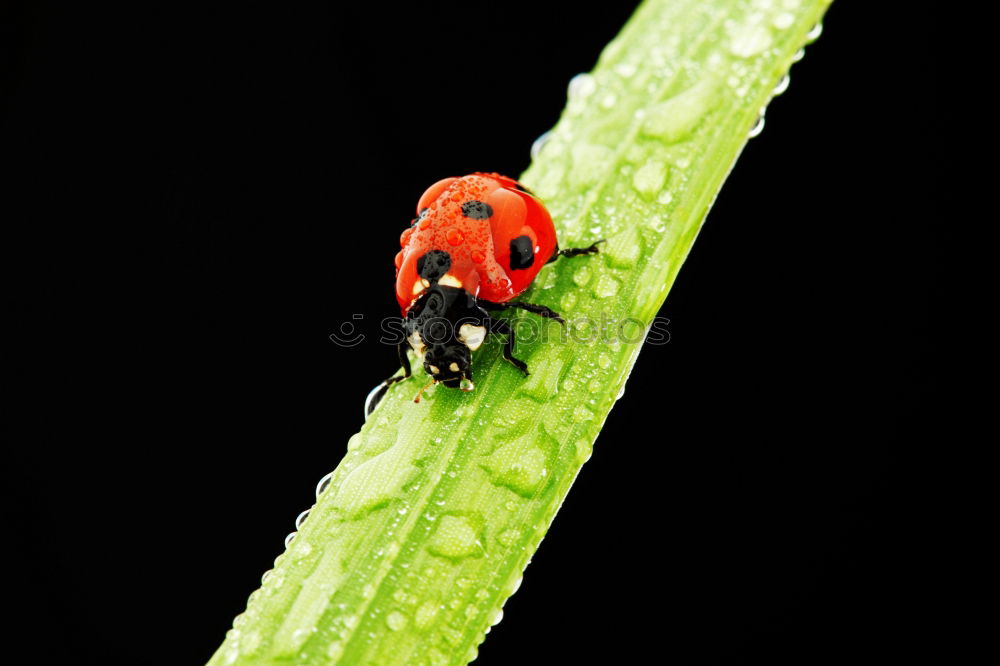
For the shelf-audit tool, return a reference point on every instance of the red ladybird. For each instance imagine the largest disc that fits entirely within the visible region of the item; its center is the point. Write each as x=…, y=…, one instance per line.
x=477, y=242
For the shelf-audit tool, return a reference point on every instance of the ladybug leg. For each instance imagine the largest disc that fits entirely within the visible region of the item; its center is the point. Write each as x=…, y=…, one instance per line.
x=540, y=310
x=376, y=395
x=502, y=327
x=575, y=251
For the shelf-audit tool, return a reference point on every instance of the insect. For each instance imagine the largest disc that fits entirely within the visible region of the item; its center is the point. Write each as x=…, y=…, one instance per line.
x=476, y=243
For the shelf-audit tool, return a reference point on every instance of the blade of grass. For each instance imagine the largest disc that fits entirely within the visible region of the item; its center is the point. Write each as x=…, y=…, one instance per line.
x=425, y=527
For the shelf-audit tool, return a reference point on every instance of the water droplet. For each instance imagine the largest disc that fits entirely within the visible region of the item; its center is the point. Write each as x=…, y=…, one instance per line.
x=437, y=657
x=541, y=384
x=584, y=448
x=275, y=580
x=425, y=614
x=395, y=620
x=517, y=585
x=518, y=465
x=359, y=493
x=289, y=539
x=758, y=127
x=301, y=518
x=471, y=611
x=457, y=537
x=299, y=637
x=372, y=400
x=568, y=301
x=607, y=287
x=609, y=100
x=621, y=392
x=595, y=385
x=799, y=55
x=649, y=178
x=368, y=591
x=656, y=223
x=303, y=549
x=536, y=147
x=478, y=256
x=335, y=650
x=782, y=84
x=814, y=34
x=267, y=574
x=511, y=505
x=783, y=20
x=581, y=276
x=497, y=616
x=454, y=236
x=249, y=643
x=675, y=118
x=509, y=537
x=748, y=39
x=581, y=414
x=625, y=70
x=581, y=86
x=665, y=197
x=623, y=250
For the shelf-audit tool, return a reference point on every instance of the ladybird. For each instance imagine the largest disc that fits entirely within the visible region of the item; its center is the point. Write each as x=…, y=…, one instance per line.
x=477, y=242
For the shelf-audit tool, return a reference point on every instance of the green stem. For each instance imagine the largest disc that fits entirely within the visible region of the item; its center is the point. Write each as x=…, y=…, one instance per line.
x=430, y=519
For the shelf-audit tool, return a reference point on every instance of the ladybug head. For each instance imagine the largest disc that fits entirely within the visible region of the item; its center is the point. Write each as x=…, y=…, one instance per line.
x=449, y=363
x=444, y=328
x=447, y=350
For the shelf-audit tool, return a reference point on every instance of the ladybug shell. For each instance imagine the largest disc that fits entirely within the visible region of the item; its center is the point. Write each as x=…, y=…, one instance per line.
x=497, y=237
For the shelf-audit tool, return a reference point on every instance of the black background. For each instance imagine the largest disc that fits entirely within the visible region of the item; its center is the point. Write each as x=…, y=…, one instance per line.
x=198, y=198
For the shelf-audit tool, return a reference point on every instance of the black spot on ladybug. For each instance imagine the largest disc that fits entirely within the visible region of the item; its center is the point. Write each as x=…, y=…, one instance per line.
x=477, y=210
x=522, y=255
x=432, y=265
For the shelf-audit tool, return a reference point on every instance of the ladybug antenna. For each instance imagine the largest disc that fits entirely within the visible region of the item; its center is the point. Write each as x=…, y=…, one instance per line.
x=417, y=399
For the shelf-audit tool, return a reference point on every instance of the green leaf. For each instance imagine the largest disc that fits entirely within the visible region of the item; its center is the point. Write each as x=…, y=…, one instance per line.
x=427, y=524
